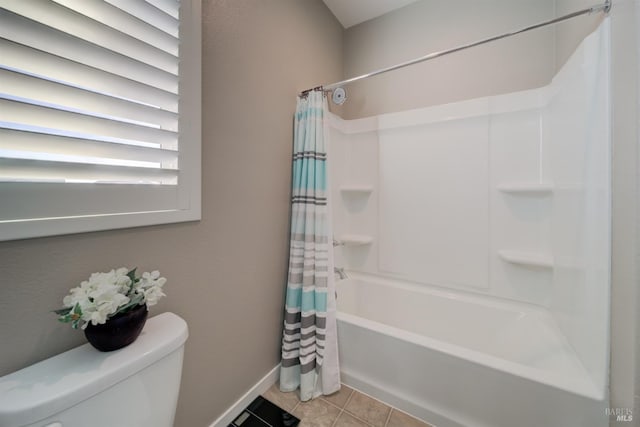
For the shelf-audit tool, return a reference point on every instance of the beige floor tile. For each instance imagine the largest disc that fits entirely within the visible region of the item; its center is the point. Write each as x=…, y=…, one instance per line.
x=400, y=419
x=346, y=420
x=286, y=401
x=370, y=410
x=316, y=413
x=339, y=398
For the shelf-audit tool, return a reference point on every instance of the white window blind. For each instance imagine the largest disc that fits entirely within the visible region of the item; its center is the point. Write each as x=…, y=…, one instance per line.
x=99, y=114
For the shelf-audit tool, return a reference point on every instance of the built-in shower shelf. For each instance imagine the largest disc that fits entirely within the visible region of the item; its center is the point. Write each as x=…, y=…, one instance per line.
x=530, y=259
x=356, y=189
x=527, y=188
x=354, y=240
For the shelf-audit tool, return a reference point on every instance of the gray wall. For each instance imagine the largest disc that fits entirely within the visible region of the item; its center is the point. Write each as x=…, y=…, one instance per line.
x=226, y=274
x=521, y=62
x=570, y=33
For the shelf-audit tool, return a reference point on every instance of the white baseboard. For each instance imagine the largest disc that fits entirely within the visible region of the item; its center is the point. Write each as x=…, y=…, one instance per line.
x=260, y=387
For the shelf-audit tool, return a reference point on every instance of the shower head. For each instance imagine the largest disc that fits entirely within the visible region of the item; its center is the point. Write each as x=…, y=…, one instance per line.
x=339, y=96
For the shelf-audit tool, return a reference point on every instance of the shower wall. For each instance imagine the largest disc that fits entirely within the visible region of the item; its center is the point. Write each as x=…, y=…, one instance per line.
x=508, y=196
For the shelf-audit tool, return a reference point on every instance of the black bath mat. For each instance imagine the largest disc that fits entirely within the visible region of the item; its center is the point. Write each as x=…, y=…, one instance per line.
x=262, y=413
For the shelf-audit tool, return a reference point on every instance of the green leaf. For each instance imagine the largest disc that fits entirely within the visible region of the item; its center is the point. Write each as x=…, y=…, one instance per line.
x=132, y=275
x=135, y=300
x=62, y=310
x=77, y=309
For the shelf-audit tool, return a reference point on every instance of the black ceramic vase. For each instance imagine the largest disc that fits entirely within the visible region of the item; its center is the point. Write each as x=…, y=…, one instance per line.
x=119, y=331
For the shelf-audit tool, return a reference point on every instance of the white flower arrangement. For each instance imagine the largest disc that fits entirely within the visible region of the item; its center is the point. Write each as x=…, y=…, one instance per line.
x=106, y=294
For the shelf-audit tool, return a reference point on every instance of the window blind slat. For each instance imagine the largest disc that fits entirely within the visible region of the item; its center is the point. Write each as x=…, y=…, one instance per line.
x=36, y=62
x=34, y=115
x=54, y=16
x=149, y=14
x=170, y=7
x=30, y=33
x=15, y=84
x=76, y=159
x=52, y=171
x=76, y=200
x=120, y=20
x=33, y=142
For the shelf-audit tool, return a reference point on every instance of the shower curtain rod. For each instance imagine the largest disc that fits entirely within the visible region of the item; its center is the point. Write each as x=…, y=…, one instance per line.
x=597, y=8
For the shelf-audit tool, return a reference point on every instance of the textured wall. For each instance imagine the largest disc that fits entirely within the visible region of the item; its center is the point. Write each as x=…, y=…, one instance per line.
x=521, y=62
x=227, y=272
x=570, y=33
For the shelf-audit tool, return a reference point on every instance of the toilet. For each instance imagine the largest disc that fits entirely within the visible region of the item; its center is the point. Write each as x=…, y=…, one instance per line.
x=136, y=386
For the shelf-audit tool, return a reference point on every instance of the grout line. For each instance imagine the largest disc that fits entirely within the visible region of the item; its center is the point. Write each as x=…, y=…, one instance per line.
x=341, y=408
x=391, y=408
x=358, y=418
x=336, y=420
x=332, y=404
x=353, y=390
x=386, y=423
x=354, y=415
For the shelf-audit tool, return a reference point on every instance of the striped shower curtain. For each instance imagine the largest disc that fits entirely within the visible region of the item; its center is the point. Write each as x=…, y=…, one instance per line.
x=309, y=344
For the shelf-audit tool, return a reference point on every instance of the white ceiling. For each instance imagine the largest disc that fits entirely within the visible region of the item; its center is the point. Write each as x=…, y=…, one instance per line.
x=352, y=12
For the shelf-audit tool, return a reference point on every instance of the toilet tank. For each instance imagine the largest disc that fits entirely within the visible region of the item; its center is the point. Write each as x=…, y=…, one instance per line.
x=136, y=386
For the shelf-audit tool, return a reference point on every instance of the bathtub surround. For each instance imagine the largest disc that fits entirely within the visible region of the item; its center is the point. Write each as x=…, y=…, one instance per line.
x=400, y=34
x=309, y=343
x=506, y=197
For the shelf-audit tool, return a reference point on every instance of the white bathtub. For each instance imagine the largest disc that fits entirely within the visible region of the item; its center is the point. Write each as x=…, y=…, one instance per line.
x=455, y=359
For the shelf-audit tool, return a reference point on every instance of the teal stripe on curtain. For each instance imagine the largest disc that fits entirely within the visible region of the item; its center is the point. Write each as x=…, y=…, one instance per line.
x=307, y=300
x=311, y=174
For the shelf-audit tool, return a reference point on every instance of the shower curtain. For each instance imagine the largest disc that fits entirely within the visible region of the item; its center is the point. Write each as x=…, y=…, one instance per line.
x=310, y=343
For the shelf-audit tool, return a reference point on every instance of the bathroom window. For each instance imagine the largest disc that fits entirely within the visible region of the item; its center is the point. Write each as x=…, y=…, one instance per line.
x=99, y=115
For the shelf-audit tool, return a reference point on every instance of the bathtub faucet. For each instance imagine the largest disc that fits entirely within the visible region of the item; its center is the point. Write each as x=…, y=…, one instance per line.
x=341, y=273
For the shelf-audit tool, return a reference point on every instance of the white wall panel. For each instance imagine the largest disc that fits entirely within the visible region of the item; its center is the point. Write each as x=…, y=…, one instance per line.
x=434, y=211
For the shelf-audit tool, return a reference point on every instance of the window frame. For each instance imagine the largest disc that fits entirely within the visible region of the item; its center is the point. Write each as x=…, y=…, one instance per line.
x=188, y=203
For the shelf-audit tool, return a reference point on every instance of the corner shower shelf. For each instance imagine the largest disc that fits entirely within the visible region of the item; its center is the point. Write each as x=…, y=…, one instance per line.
x=354, y=240
x=527, y=188
x=356, y=189
x=531, y=259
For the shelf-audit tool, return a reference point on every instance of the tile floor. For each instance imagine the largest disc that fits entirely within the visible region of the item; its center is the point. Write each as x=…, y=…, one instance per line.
x=346, y=408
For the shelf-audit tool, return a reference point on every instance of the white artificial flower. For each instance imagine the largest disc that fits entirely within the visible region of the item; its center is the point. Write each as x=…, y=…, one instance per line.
x=96, y=318
x=152, y=279
x=153, y=294
x=122, y=280
x=77, y=295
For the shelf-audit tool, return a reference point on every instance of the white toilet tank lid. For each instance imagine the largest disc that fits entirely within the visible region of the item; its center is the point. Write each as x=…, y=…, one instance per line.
x=53, y=385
